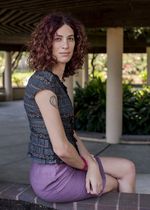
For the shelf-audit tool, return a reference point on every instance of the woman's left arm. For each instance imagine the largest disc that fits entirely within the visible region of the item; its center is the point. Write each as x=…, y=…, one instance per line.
x=83, y=150
x=93, y=176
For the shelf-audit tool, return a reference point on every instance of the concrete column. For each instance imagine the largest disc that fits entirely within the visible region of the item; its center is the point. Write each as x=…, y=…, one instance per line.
x=85, y=75
x=148, y=65
x=81, y=77
x=114, y=85
x=69, y=84
x=77, y=78
x=7, y=77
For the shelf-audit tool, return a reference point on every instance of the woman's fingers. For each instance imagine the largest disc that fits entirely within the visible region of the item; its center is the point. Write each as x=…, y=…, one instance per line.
x=93, y=187
x=88, y=185
x=93, y=180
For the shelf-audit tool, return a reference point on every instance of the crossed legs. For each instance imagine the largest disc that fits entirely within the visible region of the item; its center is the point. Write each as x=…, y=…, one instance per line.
x=120, y=174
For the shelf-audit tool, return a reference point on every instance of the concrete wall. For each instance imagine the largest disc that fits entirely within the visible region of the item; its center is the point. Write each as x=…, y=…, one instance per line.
x=18, y=94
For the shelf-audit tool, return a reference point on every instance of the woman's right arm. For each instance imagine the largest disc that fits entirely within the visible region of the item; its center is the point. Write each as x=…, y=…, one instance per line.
x=48, y=105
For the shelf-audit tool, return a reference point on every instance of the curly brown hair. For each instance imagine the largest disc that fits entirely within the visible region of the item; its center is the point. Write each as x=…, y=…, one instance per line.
x=40, y=45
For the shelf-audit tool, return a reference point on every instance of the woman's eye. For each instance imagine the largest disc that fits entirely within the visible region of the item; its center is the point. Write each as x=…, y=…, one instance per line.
x=57, y=39
x=71, y=38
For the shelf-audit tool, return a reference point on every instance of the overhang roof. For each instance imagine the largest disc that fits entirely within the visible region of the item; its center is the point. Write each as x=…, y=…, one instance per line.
x=18, y=17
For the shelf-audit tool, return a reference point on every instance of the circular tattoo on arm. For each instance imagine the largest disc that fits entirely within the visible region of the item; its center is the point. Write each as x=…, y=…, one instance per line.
x=53, y=101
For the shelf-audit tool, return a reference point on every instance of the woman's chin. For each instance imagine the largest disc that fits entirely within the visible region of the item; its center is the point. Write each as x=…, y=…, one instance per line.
x=64, y=61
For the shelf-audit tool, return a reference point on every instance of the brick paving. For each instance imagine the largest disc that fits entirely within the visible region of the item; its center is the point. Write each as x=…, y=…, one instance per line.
x=109, y=201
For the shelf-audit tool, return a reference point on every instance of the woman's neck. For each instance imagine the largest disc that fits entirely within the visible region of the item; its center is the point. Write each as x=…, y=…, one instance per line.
x=59, y=70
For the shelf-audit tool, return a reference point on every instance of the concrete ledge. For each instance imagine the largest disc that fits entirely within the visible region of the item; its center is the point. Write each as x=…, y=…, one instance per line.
x=17, y=93
x=109, y=201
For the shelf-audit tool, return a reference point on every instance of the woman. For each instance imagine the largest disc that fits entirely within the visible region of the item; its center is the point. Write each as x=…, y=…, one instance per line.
x=62, y=168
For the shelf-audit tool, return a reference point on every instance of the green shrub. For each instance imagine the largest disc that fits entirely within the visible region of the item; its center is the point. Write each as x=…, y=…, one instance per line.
x=19, y=79
x=136, y=110
x=90, y=108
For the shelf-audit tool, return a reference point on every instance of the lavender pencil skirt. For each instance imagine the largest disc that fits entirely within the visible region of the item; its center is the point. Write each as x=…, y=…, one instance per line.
x=60, y=182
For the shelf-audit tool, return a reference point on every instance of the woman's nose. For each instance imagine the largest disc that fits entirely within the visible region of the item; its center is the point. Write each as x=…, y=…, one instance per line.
x=65, y=44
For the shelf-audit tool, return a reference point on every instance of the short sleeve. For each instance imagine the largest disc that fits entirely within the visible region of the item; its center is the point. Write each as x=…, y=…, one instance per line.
x=42, y=80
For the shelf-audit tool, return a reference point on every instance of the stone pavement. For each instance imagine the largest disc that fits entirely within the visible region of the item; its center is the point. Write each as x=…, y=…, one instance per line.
x=14, y=136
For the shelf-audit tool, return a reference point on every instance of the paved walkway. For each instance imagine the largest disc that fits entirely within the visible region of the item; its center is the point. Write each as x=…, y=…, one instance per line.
x=14, y=136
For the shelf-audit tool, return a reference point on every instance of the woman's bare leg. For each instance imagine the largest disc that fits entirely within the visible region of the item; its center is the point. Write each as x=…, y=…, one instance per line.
x=121, y=169
x=111, y=184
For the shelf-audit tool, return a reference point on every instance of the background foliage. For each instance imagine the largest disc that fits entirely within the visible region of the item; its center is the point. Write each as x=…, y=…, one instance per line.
x=89, y=104
x=90, y=108
x=136, y=110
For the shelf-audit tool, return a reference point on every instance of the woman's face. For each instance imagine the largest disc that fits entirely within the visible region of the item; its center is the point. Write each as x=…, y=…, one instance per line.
x=63, y=44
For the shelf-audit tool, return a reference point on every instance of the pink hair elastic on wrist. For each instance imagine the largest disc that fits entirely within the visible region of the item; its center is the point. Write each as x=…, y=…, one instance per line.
x=85, y=164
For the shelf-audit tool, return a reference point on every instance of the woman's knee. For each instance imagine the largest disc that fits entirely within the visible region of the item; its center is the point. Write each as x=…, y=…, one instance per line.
x=130, y=167
x=118, y=167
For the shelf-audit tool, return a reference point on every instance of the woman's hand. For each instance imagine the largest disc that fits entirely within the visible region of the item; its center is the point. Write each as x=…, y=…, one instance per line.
x=93, y=179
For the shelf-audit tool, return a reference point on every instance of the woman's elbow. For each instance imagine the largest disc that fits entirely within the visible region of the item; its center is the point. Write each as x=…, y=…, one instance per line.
x=61, y=152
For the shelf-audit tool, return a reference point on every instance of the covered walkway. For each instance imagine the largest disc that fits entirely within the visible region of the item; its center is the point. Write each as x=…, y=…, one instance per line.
x=18, y=19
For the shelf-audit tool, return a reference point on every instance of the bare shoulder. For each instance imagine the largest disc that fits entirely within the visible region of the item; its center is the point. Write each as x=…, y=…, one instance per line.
x=46, y=97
